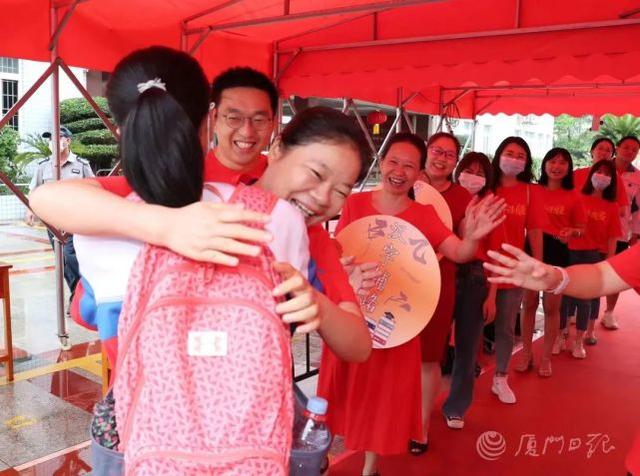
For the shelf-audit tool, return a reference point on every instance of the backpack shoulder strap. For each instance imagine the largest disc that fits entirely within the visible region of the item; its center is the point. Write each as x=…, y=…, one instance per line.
x=254, y=198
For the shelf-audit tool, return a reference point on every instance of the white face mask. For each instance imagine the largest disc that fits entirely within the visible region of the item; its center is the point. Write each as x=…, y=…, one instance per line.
x=510, y=166
x=600, y=181
x=473, y=183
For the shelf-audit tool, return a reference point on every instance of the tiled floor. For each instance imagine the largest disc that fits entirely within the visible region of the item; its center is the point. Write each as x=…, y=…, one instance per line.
x=45, y=414
x=32, y=284
x=36, y=423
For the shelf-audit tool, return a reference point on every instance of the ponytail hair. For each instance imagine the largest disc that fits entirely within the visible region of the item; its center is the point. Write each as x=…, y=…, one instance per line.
x=162, y=156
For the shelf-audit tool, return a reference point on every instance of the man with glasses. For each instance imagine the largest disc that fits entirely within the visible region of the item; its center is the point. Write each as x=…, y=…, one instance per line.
x=243, y=106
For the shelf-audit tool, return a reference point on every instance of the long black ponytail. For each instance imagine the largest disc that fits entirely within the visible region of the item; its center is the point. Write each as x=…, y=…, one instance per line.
x=159, y=98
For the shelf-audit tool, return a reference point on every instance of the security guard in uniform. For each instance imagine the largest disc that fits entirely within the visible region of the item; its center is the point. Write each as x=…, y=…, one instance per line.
x=71, y=167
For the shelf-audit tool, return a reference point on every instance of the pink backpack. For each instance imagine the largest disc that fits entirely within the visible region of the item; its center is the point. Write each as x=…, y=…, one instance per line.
x=203, y=382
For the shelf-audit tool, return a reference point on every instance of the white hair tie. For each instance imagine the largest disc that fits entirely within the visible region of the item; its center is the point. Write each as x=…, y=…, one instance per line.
x=152, y=83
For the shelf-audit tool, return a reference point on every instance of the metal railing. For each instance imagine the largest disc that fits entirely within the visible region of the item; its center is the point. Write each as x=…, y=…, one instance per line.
x=11, y=208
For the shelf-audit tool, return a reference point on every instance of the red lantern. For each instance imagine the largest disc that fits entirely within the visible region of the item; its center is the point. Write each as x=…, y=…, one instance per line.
x=375, y=118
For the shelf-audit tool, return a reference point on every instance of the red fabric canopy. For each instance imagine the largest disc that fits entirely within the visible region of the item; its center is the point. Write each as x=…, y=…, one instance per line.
x=525, y=56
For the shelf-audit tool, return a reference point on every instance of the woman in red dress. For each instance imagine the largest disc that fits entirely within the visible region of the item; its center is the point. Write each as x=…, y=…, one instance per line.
x=381, y=409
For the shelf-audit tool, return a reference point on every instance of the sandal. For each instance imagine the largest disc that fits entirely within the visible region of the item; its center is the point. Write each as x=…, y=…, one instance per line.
x=544, y=370
x=454, y=422
x=416, y=448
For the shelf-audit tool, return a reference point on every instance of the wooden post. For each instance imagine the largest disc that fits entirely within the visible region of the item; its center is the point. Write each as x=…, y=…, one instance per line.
x=5, y=295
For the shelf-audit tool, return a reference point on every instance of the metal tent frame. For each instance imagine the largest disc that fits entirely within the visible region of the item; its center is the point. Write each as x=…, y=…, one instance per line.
x=193, y=37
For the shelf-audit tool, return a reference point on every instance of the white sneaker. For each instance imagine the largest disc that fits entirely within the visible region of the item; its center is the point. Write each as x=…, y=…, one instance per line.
x=501, y=388
x=578, y=350
x=609, y=321
x=559, y=344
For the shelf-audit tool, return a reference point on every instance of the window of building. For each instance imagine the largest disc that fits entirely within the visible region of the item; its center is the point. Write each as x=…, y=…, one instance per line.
x=8, y=65
x=9, y=98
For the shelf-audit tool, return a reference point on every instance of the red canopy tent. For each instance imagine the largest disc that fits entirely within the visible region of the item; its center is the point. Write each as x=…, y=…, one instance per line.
x=461, y=56
x=448, y=57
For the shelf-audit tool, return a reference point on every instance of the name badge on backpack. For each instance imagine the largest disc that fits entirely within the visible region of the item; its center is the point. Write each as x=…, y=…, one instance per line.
x=207, y=343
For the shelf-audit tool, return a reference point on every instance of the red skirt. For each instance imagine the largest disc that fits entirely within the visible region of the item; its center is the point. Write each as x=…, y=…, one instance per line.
x=375, y=405
x=434, y=337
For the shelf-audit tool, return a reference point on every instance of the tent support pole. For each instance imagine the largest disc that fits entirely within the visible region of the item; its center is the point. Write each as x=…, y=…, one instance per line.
x=440, y=110
x=367, y=7
x=410, y=98
x=203, y=37
x=376, y=152
x=325, y=27
x=25, y=97
x=59, y=28
x=210, y=10
x=410, y=124
x=109, y=125
x=63, y=335
x=544, y=86
x=345, y=105
x=89, y=99
x=3, y=123
x=481, y=34
x=399, y=111
x=280, y=73
x=479, y=111
x=275, y=75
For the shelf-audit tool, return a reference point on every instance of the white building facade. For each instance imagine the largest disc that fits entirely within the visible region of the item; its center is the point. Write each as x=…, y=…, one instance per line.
x=17, y=76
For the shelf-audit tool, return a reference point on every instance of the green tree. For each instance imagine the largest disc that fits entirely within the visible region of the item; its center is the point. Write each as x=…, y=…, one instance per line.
x=9, y=140
x=575, y=135
x=91, y=138
x=615, y=128
x=38, y=149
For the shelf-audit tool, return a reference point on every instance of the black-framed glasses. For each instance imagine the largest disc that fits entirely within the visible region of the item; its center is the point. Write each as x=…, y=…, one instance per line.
x=437, y=152
x=236, y=121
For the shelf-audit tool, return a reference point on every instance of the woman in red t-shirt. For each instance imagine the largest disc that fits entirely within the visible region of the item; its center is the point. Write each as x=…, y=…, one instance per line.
x=602, y=148
x=443, y=150
x=597, y=242
x=565, y=219
x=393, y=375
x=512, y=171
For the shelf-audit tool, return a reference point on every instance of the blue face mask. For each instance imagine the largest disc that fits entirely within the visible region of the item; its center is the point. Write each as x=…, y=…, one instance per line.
x=600, y=181
x=510, y=166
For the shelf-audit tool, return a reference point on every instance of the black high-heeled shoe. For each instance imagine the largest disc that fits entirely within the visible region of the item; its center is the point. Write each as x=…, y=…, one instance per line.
x=416, y=448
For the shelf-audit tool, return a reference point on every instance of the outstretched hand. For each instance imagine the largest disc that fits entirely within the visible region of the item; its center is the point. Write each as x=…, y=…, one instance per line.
x=483, y=215
x=521, y=270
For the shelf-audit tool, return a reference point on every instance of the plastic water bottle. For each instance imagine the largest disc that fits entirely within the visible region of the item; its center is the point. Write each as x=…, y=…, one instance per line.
x=311, y=432
x=311, y=440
